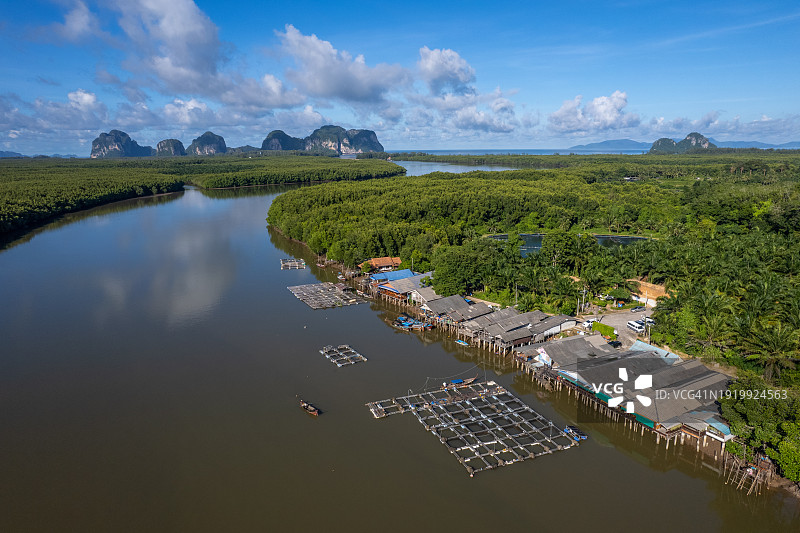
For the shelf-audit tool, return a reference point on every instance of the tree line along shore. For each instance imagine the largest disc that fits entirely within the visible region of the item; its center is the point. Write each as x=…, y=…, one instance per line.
x=726, y=243
x=33, y=191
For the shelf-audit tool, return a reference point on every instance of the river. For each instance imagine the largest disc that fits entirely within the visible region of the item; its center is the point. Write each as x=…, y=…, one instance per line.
x=151, y=354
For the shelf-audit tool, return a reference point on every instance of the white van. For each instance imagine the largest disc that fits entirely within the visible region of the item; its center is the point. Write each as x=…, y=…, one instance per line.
x=636, y=326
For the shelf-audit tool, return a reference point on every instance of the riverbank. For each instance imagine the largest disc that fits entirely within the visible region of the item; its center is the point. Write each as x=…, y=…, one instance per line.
x=34, y=192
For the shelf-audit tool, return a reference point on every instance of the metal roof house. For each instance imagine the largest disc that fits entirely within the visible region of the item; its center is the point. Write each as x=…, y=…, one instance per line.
x=508, y=328
x=680, y=395
x=383, y=277
x=445, y=305
x=402, y=288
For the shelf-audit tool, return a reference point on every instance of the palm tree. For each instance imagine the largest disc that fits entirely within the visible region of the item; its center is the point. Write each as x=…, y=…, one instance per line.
x=774, y=345
x=711, y=332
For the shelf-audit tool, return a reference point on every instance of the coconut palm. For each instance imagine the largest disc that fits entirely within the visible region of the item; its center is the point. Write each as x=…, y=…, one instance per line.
x=774, y=345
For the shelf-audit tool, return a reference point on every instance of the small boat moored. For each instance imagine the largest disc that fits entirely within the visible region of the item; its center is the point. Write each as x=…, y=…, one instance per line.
x=462, y=343
x=458, y=383
x=308, y=408
x=575, y=433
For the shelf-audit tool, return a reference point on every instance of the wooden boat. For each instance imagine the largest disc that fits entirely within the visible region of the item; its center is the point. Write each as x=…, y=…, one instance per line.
x=308, y=408
x=462, y=343
x=575, y=433
x=458, y=383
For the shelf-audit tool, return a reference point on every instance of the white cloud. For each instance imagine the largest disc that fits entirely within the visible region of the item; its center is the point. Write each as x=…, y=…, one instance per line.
x=764, y=128
x=326, y=72
x=601, y=114
x=173, y=41
x=79, y=24
x=471, y=118
x=175, y=48
x=188, y=113
x=82, y=111
x=445, y=70
x=300, y=122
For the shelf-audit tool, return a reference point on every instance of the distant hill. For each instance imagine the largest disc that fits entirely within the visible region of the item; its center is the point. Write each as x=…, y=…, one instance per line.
x=666, y=145
x=10, y=154
x=207, y=144
x=756, y=144
x=694, y=142
x=170, y=147
x=333, y=138
x=612, y=145
x=242, y=149
x=117, y=143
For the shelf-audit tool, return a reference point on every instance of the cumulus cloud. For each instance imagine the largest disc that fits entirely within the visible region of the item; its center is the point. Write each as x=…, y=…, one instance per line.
x=708, y=122
x=471, y=118
x=79, y=24
x=445, y=70
x=305, y=120
x=174, y=41
x=175, y=49
x=764, y=128
x=327, y=72
x=82, y=111
x=188, y=113
x=602, y=113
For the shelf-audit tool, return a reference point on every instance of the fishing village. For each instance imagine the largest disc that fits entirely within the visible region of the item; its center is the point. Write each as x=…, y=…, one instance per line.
x=484, y=426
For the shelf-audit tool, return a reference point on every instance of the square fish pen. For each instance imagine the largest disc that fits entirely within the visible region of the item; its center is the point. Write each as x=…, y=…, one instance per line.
x=324, y=295
x=293, y=264
x=342, y=355
x=481, y=424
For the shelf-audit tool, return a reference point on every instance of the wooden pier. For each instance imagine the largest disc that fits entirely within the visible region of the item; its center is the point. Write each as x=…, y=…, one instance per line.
x=481, y=424
x=342, y=355
x=293, y=264
x=324, y=295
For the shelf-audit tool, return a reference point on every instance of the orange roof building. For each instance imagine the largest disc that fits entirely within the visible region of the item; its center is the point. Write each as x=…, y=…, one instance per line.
x=382, y=263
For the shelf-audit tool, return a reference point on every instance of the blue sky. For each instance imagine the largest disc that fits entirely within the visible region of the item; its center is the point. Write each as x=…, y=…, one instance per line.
x=423, y=75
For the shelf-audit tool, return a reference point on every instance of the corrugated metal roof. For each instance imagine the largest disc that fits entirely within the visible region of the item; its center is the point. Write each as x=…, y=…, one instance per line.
x=411, y=283
x=427, y=294
x=471, y=312
x=392, y=276
x=442, y=306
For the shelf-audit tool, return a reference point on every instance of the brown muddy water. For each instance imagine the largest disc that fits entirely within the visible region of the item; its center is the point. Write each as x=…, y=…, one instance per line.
x=150, y=355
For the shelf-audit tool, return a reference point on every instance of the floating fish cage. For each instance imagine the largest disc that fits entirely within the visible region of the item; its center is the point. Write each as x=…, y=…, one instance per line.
x=482, y=424
x=342, y=355
x=324, y=295
x=292, y=264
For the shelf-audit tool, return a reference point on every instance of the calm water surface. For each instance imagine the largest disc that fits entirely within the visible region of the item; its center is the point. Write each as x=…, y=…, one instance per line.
x=418, y=168
x=532, y=242
x=150, y=355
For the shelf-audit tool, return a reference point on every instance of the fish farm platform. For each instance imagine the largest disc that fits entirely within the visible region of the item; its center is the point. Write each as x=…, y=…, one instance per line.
x=482, y=424
x=342, y=355
x=293, y=264
x=324, y=295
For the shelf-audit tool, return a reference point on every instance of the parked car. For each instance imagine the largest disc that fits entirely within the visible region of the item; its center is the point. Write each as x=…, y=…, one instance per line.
x=588, y=323
x=636, y=326
x=637, y=309
x=615, y=344
x=649, y=321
